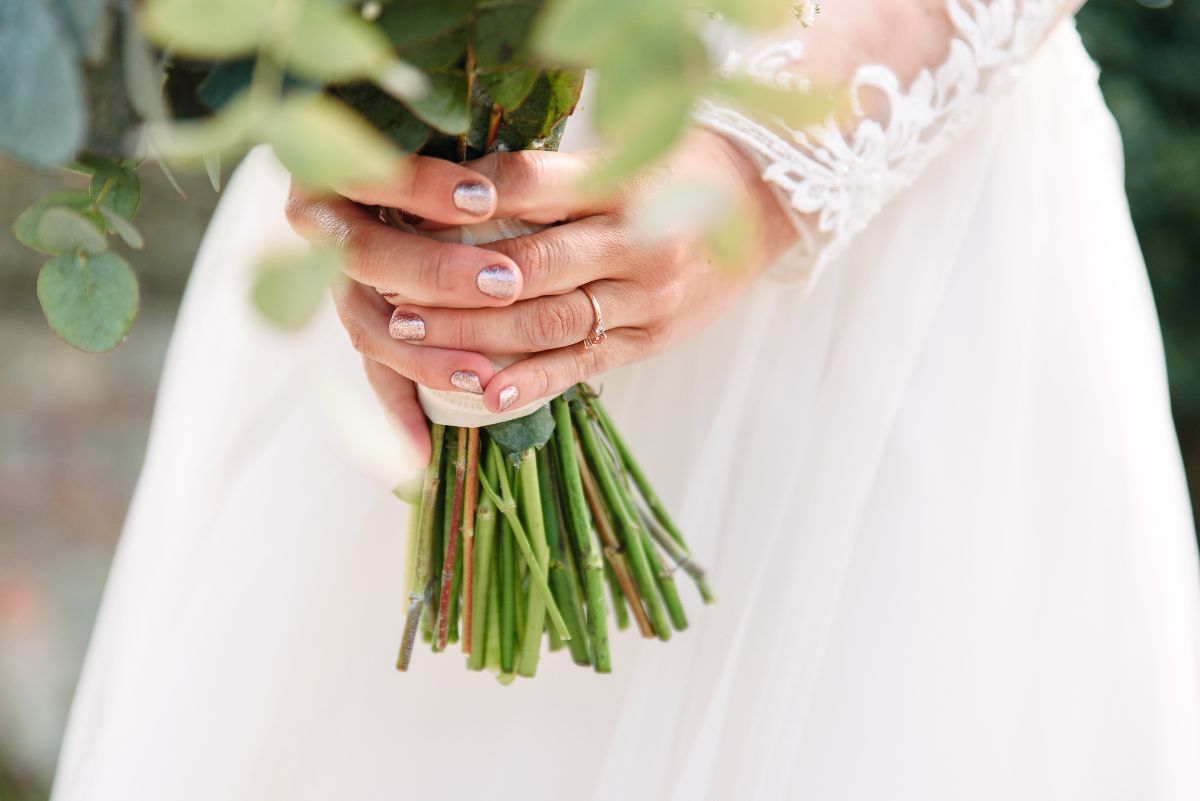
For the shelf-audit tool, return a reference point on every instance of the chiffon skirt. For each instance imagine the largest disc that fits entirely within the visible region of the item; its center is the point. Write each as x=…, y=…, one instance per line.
x=939, y=495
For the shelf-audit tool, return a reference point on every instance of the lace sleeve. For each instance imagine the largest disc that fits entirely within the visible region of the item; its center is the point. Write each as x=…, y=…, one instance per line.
x=834, y=178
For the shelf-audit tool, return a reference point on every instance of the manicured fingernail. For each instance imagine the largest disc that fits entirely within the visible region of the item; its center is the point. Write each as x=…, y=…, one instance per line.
x=508, y=396
x=387, y=293
x=406, y=326
x=474, y=198
x=498, y=280
x=467, y=381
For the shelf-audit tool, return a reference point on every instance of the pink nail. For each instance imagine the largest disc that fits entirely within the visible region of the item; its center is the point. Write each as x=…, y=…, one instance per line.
x=406, y=326
x=508, y=396
x=467, y=381
x=497, y=280
x=474, y=198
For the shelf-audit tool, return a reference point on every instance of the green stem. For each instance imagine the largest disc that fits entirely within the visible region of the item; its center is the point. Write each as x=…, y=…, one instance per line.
x=535, y=523
x=485, y=530
x=451, y=565
x=419, y=581
x=508, y=507
x=560, y=576
x=491, y=659
x=591, y=561
x=627, y=522
x=620, y=608
x=508, y=596
x=673, y=543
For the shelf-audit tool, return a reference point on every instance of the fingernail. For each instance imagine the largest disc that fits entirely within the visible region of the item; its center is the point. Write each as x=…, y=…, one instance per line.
x=467, y=381
x=387, y=293
x=474, y=198
x=497, y=280
x=406, y=326
x=508, y=396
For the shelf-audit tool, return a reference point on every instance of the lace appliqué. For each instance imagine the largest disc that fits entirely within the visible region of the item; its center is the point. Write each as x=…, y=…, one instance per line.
x=834, y=183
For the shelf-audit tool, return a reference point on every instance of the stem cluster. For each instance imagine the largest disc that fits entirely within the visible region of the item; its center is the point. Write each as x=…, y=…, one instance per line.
x=510, y=550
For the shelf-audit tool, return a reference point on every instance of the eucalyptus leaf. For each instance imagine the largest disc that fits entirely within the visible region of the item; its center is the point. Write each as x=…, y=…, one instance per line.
x=123, y=228
x=143, y=76
x=115, y=186
x=759, y=14
x=64, y=230
x=88, y=23
x=409, y=21
x=500, y=34
x=390, y=118
x=289, y=286
x=224, y=132
x=324, y=144
x=444, y=106
x=509, y=88
x=797, y=109
x=25, y=226
x=225, y=81
x=531, y=431
x=208, y=28
x=43, y=119
x=89, y=301
x=446, y=51
x=586, y=32
x=329, y=43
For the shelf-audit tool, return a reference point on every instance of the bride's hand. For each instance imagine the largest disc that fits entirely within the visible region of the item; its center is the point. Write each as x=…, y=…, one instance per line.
x=651, y=293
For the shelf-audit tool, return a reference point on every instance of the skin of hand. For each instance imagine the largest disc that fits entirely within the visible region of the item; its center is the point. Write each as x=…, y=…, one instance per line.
x=444, y=307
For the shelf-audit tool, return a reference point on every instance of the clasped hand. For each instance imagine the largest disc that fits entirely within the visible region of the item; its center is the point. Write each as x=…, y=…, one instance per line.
x=425, y=311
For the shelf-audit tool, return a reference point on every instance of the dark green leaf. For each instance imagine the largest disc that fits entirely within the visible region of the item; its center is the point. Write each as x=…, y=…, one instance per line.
x=224, y=82
x=386, y=114
x=409, y=21
x=509, y=88
x=444, y=106
x=550, y=102
x=64, y=230
x=289, y=286
x=531, y=431
x=89, y=301
x=500, y=35
x=42, y=114
x=25, y=227
x=445, y=51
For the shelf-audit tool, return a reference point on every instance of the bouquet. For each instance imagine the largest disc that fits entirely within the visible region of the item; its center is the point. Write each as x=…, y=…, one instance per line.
x=523, y=531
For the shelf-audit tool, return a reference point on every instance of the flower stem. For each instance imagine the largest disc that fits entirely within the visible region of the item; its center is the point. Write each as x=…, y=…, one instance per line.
x=627, y=523
x=677, y=547
x=508, y=507
x=535, y=524
x=560, y=585
x=424, y=551
x=450, y=564
x=591, y=561
x=508, y=597
x=480, y=626
x=468, y=600
x=613, y=551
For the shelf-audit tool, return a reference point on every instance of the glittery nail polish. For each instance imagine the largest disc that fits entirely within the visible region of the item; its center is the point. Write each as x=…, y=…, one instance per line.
x=508, y=396
x=406, y=326
x=474, y=198
x=497, y=280
x=467, y=381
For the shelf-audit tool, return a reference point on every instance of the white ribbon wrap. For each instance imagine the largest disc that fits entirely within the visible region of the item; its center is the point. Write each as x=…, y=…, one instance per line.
x=454, y=408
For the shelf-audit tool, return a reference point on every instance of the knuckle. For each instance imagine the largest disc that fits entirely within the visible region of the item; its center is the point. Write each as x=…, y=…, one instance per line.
x=358, y=335
x=434, y=268
x=551, y=323
x=525, y=171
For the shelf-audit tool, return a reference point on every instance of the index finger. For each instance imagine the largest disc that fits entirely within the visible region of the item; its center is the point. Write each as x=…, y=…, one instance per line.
x=434, y=189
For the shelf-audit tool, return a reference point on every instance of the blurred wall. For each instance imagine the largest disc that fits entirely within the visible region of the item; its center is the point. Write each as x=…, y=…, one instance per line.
x=73, y=426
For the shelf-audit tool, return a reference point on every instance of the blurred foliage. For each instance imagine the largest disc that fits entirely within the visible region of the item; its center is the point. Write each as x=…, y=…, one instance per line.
x=1149, y=60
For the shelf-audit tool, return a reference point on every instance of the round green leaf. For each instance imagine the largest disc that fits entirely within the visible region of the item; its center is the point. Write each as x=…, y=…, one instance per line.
x=289, y=286
x=444, y=105
x=25, y=227
x=43, y=118
x=208, y=28
x=63, y=230
x=89, y=301
x=123, y=228
x=325, y=144
x=333, y=44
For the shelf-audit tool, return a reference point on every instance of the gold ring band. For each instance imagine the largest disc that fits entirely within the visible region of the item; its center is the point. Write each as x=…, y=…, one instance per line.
x=597, y=334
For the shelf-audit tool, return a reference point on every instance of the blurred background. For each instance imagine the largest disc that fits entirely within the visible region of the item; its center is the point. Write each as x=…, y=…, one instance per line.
x=73, y=426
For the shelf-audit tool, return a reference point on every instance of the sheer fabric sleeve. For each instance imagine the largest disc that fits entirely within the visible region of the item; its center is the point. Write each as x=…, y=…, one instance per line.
x=833, y=178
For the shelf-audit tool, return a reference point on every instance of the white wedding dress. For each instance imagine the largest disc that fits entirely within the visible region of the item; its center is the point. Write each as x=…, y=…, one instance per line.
x=931, y=468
